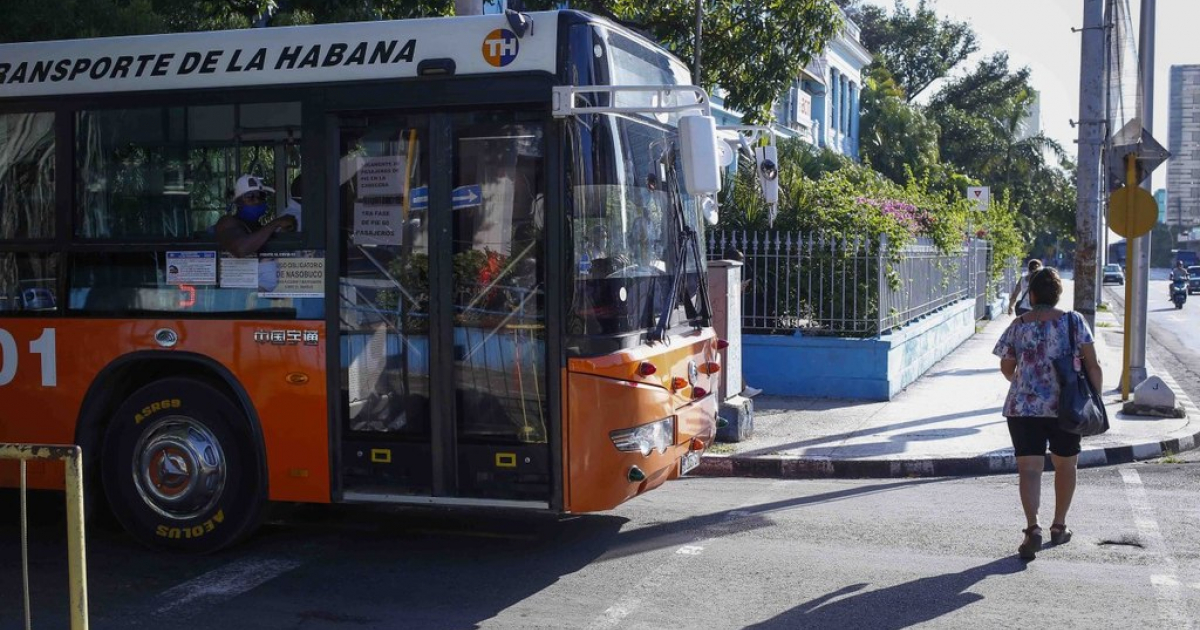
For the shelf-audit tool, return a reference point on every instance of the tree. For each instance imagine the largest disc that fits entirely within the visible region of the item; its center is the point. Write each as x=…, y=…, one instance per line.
x=981, y=116
x=40, y=20
x=915, y=46
x=37, y=20
x=753, y=49
x=896, y=138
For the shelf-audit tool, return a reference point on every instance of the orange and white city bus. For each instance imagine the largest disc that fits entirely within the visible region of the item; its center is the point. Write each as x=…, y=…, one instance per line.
x=495, y=297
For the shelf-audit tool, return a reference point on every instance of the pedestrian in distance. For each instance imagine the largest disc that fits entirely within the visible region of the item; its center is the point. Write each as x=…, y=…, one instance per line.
x=1019, y=299
x=1027, y=350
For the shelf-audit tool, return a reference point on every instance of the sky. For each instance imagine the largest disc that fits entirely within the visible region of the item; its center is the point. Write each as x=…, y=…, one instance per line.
x=1037, y=34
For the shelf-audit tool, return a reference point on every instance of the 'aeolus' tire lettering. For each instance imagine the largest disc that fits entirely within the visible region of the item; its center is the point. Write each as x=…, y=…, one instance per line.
x=181, y=469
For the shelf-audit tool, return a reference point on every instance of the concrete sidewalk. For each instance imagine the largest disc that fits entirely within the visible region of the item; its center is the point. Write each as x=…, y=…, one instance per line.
x=948, y=423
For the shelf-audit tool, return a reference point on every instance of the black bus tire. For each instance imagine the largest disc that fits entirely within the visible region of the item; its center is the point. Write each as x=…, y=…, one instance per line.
x=180, y=468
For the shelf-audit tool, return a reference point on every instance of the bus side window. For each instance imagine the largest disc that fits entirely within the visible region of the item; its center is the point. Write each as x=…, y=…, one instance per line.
x=168, y=173
x=27, y=282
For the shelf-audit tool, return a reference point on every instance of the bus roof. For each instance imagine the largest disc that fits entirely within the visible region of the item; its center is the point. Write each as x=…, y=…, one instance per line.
x=480, y=44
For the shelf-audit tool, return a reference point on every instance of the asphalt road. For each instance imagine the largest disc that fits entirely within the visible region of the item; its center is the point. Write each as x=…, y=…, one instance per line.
x=1173, y=335
x=701, y=553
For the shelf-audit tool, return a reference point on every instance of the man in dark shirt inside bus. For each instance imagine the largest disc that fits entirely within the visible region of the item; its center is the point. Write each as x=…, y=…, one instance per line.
x=243, y=233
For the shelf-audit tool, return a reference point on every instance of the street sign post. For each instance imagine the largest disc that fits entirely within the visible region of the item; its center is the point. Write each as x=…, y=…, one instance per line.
x=1134, y=140
x=1132, y=213
x=980, y=197
x=462, y=197
x=419, y=198
x=466, y=196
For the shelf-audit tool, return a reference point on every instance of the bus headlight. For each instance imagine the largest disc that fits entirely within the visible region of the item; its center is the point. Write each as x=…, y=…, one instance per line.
x=652, y=436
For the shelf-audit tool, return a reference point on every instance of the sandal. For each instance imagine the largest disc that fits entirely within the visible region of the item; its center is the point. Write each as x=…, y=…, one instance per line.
x=1059, y=534
x=1032, y=543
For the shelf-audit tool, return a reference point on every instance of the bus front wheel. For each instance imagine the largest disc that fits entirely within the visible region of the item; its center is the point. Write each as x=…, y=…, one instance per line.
x=180, y=469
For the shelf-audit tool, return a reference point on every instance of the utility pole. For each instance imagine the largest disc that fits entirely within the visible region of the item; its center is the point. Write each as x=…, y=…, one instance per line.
x=1140, y=246
x=468, y=7
x=699, y=33
x=1091, y=123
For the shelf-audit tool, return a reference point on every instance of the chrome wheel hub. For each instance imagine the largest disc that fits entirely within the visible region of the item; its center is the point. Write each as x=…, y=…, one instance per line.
x=179, y=468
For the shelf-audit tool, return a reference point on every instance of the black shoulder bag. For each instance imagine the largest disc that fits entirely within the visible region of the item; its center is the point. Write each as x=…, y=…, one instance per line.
x=1021, y=310
x=1080, y=410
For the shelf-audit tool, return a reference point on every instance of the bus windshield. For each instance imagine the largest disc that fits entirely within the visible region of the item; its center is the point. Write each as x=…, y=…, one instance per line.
x=628, y=210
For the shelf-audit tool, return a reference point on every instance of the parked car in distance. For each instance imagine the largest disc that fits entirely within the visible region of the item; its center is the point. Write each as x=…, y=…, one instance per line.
x=1113, y=273
x=1193, y=279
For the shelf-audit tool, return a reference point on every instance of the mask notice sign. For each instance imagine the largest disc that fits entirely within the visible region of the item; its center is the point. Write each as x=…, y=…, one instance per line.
x=191, y=268
x=298, y=274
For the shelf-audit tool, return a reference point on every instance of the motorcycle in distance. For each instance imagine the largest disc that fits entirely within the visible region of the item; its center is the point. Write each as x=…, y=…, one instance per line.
x=1179, y=292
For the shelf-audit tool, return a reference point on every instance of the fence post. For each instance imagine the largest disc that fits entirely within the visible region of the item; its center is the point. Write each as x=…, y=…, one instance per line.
x=881, y=256
x=735, y=411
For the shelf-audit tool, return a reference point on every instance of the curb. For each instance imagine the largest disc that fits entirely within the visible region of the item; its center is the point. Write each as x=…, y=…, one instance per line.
x=799, y=467
x=1003, y=462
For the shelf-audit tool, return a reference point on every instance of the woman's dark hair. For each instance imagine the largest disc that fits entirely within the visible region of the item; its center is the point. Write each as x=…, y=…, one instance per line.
x=1046, y=286
x=1033, y=265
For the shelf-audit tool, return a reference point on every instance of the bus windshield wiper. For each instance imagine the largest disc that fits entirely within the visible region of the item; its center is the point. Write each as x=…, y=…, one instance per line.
x=689, y=242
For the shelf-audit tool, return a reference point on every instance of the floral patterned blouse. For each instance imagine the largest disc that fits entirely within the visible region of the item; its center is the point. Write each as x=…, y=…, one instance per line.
x=1035, y=345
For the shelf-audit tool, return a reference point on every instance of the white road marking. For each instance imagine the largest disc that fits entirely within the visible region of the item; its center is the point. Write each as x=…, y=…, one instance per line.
x=1168, y=588
x=664, y=574
x=223, y=584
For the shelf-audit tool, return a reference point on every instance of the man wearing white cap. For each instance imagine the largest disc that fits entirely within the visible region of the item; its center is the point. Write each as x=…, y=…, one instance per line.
x=243, y=233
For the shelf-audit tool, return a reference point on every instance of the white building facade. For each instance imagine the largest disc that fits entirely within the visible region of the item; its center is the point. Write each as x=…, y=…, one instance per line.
x=822, y=106
x=834, y=85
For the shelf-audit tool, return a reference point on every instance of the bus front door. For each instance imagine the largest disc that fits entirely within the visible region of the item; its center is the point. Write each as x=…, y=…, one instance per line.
x=442, y=308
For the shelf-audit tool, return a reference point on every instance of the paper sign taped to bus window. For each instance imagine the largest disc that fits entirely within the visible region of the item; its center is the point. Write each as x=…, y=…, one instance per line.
x=377, y=224
x=238, y=273
x=191, y=267
x=295, y=274
x=380, y=176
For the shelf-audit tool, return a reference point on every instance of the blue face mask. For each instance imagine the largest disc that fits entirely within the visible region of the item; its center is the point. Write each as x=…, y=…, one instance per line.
x=252, y=213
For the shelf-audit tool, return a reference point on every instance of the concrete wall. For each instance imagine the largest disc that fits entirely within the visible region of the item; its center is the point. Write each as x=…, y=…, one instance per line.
x=866, y=369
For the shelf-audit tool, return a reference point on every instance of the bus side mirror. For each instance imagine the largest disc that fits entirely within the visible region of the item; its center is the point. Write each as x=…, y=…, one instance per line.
x=701, y=165
x=768, y=173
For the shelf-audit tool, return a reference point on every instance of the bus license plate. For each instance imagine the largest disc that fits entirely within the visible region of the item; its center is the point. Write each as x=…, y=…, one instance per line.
x=688, y=462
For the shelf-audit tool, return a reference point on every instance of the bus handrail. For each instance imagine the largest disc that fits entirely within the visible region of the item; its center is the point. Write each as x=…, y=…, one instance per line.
x=564, y=103
x=72, y=457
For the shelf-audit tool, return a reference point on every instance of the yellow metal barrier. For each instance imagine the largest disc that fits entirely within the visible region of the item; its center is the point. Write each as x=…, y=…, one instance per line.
x=72, y=457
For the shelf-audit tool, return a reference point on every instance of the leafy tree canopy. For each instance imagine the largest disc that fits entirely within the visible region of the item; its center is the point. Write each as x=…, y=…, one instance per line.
x=753, y=49
x=916, y=46
x=897, y=139
x=981, y=116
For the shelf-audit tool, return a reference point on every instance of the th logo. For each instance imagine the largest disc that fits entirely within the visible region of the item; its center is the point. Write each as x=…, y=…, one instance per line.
x=500, y=47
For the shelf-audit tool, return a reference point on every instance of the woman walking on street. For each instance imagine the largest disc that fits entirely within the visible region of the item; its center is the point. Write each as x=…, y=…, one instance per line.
x=1027, y=350
x=1019, y=299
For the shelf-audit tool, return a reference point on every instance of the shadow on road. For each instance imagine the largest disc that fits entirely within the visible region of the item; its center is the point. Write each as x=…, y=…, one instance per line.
x=901, y=606
x=366, y=566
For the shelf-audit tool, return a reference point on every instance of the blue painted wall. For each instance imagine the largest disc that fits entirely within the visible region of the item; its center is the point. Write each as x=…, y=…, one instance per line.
x=865, y=369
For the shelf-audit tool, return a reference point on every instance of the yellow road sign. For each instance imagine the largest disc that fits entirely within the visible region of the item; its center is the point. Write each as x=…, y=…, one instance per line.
x=1132, y=212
